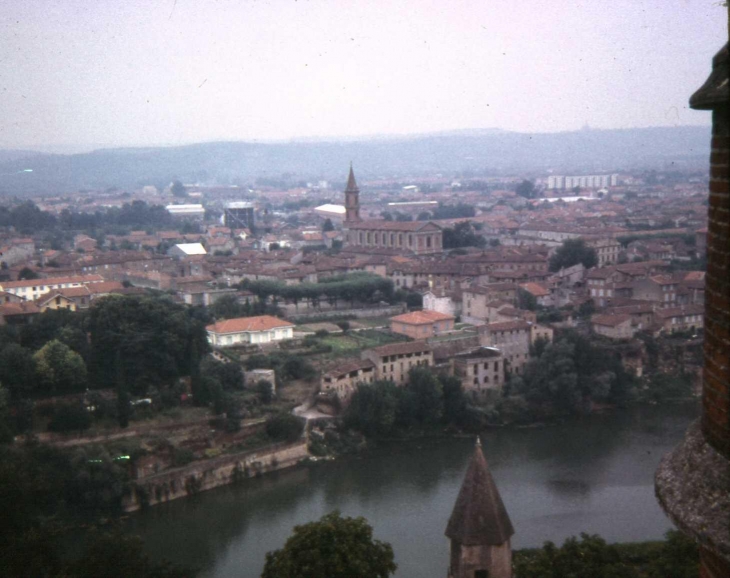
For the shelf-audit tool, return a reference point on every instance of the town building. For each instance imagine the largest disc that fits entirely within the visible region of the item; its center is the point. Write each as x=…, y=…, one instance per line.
x=481, y=372
x=394, y=361
x=613, y=326
x=31, y=289
x=419, y=237
x=249, y=330
x=682, y=318
x=422, y=324
x=512, y=338
x=239, y=215
x=343, y=379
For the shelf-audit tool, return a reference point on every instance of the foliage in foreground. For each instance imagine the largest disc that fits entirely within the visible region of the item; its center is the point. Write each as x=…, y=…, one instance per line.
x=676, y=557
x=332, y=547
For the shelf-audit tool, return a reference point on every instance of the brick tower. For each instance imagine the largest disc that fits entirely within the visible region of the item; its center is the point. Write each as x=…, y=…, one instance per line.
x=479, y=527
x=352, y=199
x=693, y=481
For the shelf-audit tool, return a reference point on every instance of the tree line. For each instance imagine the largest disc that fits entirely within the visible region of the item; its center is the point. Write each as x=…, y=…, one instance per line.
x=28, y=219
x=355, y=287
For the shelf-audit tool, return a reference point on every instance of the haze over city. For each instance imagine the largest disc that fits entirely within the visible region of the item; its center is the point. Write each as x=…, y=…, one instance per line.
x=78, y=75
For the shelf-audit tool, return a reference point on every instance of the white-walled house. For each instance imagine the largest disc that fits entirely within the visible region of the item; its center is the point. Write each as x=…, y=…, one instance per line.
x=246, y=330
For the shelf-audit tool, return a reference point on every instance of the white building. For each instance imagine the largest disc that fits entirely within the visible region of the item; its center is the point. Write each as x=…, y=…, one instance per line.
x=247, y=330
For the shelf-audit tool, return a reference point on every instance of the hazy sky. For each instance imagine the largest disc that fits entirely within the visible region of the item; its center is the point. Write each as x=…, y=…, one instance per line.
x=138, y=72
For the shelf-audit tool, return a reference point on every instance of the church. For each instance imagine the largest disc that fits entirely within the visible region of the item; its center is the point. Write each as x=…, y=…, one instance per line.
x=390, y=237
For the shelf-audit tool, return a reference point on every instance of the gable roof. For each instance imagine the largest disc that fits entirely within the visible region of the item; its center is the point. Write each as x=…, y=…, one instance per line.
x=406, y=226
x=248, y=324
x=479, y=515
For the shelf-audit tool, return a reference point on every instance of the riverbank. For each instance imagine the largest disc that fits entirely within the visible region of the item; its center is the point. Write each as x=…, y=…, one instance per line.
x=203, y=475
x=589, y=474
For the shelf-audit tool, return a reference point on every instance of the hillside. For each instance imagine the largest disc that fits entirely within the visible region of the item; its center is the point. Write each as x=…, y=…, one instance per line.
x=456, y=153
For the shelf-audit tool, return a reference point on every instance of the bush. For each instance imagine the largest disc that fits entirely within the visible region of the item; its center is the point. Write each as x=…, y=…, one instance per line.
x=284, y=427
x=265, y=390
x=69, y=418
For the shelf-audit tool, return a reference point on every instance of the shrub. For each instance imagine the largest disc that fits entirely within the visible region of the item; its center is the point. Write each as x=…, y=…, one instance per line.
x=284, y=427
x=70, y=417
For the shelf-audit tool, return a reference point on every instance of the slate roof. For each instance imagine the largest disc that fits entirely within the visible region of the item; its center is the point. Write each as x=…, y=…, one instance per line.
x=479, y=516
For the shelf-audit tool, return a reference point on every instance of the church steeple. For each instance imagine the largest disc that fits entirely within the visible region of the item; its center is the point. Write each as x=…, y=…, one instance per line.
x=352, y=199
x=479, y=527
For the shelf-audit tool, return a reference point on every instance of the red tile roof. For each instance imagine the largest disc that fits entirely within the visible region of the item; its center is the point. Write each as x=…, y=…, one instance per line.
x=248, y=324
x=421, y=317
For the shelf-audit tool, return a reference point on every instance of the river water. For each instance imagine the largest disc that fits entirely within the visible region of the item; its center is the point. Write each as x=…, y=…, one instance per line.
x=592, y=474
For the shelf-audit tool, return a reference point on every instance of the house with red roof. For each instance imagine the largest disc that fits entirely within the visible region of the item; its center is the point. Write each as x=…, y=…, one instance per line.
x=422, y=324
x=249, y=330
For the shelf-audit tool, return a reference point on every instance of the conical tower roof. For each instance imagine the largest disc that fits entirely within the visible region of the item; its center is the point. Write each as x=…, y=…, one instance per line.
x=479, y=516
x=351, y=184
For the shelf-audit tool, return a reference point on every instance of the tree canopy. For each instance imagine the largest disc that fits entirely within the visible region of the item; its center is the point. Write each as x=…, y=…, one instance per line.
x=333, y=547
x=572, y=252
x=462, y=235
x=154, y=340
x=526, y=189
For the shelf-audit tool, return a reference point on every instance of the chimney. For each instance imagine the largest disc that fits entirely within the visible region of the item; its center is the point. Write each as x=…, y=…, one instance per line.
x=693, y=481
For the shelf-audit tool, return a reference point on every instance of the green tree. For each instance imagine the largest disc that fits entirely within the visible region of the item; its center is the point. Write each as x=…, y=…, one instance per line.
x=117, y=555
x=158, y=340
x=327, y=226
x=373, y=408
x=333, y=547
x=6, y=430
x=284, y=427
x=178, y=189
x=26, y=273
x=227, y=307
x=229, y=375
x=428, y=395
x=17, y=370
x=550, y=383
x=526, y=189
x=59, y=368
x=572, y=252
x=70, y=418
x=590, y=556
x=265, y=390
x=454, y=400
x=462, y=235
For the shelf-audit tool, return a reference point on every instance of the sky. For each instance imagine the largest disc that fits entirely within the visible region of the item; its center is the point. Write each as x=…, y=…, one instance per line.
x=96, y=73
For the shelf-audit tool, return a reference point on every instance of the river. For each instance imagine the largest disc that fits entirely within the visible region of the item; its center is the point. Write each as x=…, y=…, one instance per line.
x=593, y=474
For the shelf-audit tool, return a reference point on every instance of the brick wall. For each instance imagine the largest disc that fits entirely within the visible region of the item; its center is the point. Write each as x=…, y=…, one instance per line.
x=715, y=416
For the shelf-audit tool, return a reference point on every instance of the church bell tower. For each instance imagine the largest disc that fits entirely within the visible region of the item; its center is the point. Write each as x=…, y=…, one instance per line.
x=352, y=199
x=479, y=527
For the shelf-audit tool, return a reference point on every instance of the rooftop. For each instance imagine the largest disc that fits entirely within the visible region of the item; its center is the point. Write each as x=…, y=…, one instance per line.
x=248, y=324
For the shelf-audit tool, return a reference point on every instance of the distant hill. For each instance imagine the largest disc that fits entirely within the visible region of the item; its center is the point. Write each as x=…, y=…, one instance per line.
x=454, y=153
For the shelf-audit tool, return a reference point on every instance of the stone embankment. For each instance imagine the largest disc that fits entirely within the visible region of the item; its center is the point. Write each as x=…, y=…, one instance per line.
x=205, y=475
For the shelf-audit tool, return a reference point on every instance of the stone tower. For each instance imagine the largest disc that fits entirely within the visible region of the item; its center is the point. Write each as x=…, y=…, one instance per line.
x=479, y=527
x=693, y=481
x=352, y=199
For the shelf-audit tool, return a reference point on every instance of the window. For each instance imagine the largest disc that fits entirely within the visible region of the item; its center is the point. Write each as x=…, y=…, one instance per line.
x=481, y=574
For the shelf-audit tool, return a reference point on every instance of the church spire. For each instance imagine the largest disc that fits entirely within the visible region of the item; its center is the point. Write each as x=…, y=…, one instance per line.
x=479, y=520
x=352, y=199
